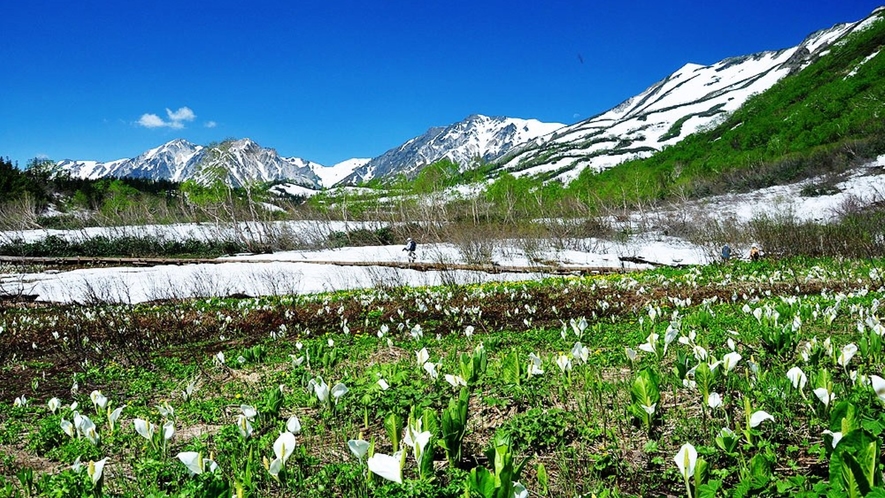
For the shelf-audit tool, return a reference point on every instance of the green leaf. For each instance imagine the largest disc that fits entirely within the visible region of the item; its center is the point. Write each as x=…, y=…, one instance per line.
x=843, y=417
x=454, y=426
x=481, y=481
x=877, y=492
x=393, y=425
x=541, y=473
x=645, y=388
x=709, y=490
x=700, y=472
x=847, y=477
x=704, y=378
x=511, y=369
x=854, y=463
x=760, y=472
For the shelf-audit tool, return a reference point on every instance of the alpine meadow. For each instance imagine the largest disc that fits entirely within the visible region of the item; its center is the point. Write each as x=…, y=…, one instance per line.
x=581, y=316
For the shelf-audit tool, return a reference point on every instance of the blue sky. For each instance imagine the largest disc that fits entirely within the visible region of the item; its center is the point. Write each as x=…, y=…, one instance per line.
x=329, y=80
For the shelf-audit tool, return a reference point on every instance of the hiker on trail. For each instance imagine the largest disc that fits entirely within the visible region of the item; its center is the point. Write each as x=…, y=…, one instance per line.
x=410, y=248
x=726, y=252
x=755, y=253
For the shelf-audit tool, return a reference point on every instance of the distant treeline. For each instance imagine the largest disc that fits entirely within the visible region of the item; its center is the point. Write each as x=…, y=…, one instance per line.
x=45, y=186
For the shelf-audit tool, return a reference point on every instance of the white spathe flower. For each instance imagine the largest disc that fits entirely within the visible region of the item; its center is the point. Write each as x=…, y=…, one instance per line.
x=430, y=368
x=145, y=429
x=878, y=384
x=650, y=409
x=631, y=354
x=339, y=390
x=580, y=352
x=824, y=395
x=519, y=490
x=219, y=358
x=195, y=462
x=423, y=356
x=359, y=448
x=535, y=364
x=714, y=400
x=730, y=360
x=88, y=429
x=417, y=332
x=797, y=378
x=189, y=390
x=98, y=399
x=387, y=466
x=20, y=401
x=564, y=363
x=650, y=344
x=847, y=353
x=53, y=404
x=758, y=314
x=758, y=417
x=284, y=446
x=837, y=436
x=293, y=425
x=114, y=416
x=166, y=410
x=455, y=380
x=383, y=384
x=168, y=430
x=95, y=470
x=415, y=438
x=67, y=427
x=275, y=467
x=670, y=335
x=686, y=459
x=578, y=326
x=249, y=411
x=321, y=389
x=244, y=426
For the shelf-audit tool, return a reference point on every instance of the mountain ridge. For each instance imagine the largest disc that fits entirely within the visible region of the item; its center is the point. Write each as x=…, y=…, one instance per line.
x=693, y=98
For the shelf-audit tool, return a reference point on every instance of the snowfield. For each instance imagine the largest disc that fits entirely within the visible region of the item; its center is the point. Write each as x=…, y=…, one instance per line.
x=328, y=270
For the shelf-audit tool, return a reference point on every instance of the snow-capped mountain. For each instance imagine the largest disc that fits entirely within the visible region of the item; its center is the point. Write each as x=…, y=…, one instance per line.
x=238, y=162
x=244, y=161
x=475, y=137
x=171, y=161
x=330, y=175
x=693, y=98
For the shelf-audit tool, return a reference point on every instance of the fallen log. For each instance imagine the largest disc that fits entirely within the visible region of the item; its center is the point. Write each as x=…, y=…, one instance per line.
x=417, y=266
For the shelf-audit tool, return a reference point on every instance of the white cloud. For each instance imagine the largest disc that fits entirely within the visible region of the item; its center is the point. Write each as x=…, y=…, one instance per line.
x=182, y=114
x=176, y=119
x=210, y=124
x=151, y=121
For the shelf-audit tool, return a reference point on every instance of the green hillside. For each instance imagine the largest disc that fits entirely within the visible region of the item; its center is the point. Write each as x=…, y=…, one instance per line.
x=823, y=118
